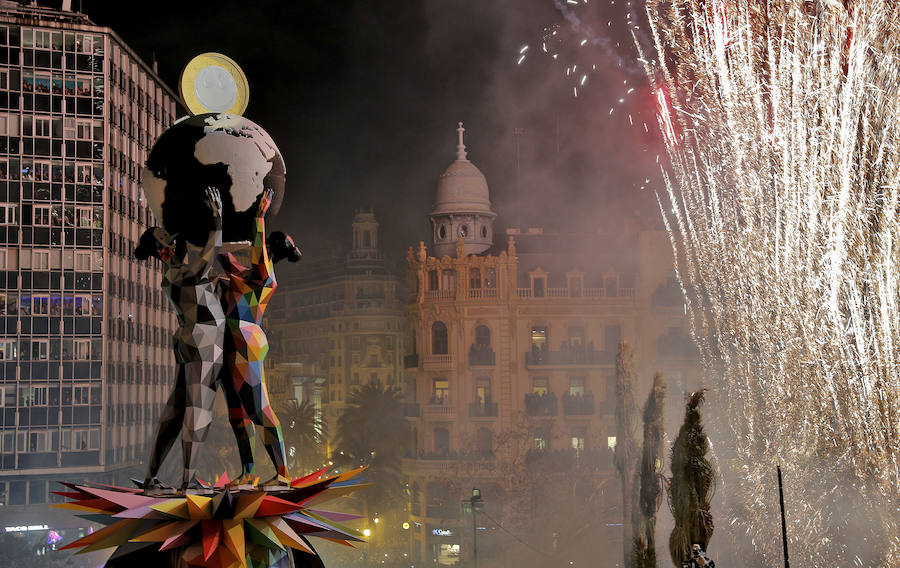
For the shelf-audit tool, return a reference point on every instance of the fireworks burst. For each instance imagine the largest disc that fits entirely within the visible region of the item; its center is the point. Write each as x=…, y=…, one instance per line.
x=782, y=123
x=576, y=46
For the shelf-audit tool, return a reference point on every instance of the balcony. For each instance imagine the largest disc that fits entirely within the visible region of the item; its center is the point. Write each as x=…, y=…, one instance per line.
x=438, y=411
x=482, y=356
x=411, y=361
x=482, y=409
x=438, y=362
x=541, y=404
x=569, y=358
x=578, y=405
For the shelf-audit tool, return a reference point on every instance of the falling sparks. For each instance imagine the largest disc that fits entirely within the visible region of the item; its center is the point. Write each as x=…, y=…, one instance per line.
x=782, y=205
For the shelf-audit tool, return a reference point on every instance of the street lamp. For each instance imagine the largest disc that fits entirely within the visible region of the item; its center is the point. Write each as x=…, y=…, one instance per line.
x=477, y=505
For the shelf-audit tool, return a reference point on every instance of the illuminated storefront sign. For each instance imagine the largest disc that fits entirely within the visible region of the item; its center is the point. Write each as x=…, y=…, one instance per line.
x=442, y=532
x=26, y=528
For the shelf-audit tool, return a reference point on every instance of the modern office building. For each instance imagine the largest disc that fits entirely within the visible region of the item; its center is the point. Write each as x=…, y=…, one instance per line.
x=85, y=356
x=513, y=345
x=338, y=323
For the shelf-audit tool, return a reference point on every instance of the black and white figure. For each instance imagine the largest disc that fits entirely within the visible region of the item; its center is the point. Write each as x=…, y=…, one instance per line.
x=197, y=342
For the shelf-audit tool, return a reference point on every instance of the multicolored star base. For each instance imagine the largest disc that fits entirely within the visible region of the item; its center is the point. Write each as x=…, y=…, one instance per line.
x=215, y=526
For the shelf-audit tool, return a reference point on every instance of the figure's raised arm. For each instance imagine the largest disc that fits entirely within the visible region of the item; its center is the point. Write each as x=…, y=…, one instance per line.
x=260, y=263
x=201, y=262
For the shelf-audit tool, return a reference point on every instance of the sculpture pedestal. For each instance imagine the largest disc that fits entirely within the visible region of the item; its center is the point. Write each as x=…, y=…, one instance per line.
x=216, y=526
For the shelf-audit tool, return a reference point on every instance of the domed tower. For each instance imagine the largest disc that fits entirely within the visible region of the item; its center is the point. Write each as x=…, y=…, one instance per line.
x=462, y=209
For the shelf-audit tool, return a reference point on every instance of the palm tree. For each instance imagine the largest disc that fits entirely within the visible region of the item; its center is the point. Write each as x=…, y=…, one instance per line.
x=626, y=445
x=692, y=485
x=373, y=431
x=304, y=435
x=650, y=477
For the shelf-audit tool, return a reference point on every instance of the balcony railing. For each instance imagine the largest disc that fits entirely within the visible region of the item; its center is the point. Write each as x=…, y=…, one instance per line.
x=483, y=409
x=482, y=293
x=541, y=404
x=438, y=411
x=528, y=293
x=440, y=294
x=578, y=405
x=574, y=357
x=482, y=356
x=438, y=362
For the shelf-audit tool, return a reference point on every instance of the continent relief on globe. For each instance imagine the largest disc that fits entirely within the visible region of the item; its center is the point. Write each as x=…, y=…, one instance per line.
x=228, y=152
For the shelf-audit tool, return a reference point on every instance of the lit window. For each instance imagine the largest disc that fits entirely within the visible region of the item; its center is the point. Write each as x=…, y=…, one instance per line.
x=440, y=392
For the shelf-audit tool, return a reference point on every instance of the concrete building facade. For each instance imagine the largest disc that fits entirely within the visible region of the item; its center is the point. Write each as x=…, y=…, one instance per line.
x=85, y=355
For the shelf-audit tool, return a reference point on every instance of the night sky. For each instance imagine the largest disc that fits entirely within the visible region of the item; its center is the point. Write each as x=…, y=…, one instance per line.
x=363, y=98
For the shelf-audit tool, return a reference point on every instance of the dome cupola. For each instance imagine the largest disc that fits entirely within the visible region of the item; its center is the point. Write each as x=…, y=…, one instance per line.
x=462, y=208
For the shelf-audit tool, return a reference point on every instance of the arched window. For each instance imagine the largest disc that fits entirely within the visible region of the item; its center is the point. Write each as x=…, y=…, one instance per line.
x=484, y=442
x=441, y=441
x=483, y=336
x=439, y=344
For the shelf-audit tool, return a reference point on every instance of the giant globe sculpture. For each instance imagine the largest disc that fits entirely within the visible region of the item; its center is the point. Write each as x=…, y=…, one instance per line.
x=224, y=151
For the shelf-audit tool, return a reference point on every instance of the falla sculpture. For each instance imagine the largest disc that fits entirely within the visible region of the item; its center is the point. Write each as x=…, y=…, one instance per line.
x=210, y=179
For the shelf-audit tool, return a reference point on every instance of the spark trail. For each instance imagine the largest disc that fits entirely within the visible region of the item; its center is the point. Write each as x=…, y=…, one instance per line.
x=782, y=124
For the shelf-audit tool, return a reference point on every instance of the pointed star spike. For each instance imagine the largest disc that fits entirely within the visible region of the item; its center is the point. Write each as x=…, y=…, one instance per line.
x=233, y=537
x=274, y=506
x=314, y=476
x=159, y=532
x=180, y=539
x=211, y=534
x=199, y=507
x=115, y=538
x=99, y=535
x=333, y=493
x=261, y=533
x=248, y=504
x=334, y=515
x=286, y=535
x=174, y=507
x=90, y=506
x=222, y=481
x=347, y=475
x=338, y=541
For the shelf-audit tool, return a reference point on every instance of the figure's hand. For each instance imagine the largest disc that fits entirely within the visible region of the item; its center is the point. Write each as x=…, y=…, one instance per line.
x=265, y=201
x=214, y=201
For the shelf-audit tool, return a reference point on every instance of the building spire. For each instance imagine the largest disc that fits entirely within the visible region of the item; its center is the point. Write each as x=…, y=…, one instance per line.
x=461, y=148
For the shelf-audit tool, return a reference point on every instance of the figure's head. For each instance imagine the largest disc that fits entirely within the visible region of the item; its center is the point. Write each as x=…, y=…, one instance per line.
x=696, y=549
x=281, y=246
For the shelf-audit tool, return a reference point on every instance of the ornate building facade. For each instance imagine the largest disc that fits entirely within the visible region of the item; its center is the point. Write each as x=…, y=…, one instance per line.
x=512, y=374
x=338, y=323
